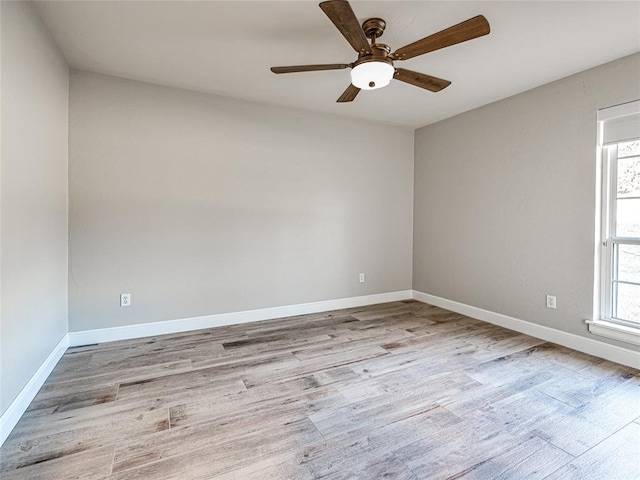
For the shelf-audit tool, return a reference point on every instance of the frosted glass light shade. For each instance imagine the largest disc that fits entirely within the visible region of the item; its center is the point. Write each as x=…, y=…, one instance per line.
x=372, y=75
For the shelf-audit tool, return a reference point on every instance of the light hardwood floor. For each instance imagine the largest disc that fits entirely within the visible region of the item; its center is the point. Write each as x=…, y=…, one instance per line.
x=401, y=390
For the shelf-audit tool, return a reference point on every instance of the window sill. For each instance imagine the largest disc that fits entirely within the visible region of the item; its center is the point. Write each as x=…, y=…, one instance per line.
x=616, y=331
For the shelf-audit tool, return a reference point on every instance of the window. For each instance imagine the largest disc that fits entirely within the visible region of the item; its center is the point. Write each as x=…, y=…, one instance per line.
x=622, y=239
x=618, y=315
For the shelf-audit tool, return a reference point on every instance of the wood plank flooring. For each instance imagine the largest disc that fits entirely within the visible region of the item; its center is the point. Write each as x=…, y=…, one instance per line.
x=401, y=390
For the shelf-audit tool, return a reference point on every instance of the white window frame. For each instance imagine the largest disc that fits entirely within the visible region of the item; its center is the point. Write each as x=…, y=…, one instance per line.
x=603, y=323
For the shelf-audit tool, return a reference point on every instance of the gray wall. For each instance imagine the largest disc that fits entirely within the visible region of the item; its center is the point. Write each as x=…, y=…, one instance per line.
x=35, y=96
x=505, y=199
x=197, y=204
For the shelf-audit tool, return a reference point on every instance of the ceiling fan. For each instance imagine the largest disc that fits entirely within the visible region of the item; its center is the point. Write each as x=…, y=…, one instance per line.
x=374, y=67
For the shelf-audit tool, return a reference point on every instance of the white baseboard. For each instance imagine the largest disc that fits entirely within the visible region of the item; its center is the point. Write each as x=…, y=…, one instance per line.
x=10, y=417
x=570, y=340
x=127, y=332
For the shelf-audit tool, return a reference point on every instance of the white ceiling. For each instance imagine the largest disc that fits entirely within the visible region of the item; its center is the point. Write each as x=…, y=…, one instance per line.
x=227, y=47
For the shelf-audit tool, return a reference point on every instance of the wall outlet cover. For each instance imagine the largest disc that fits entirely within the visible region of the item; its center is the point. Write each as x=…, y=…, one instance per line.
x=125, y=300
x=551, y=301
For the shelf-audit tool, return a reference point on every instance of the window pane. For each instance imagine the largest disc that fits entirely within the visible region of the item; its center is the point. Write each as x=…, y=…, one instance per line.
x=628, y=302
x=628, y=217
x=629, y=148
x=628, y=263
x=629, y=177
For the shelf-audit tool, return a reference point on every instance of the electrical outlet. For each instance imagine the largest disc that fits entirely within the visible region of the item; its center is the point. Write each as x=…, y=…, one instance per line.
x=125, y=300
x=362, y=278
x=551, y=301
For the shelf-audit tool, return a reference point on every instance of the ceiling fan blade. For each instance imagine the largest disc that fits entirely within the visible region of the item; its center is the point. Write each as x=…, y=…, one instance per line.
x=342, y=16
x=468, y=30
x=421, y=80
x=309, y=68
x=349, y=94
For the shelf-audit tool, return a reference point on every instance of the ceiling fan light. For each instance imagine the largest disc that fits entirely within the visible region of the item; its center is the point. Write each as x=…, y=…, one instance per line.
x=372, y=75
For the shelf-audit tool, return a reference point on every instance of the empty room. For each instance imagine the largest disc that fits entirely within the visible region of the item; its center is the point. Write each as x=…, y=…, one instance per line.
x=251, y=240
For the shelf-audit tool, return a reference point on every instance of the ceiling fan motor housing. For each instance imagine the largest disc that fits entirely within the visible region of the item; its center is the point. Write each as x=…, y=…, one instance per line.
x=373, y=70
